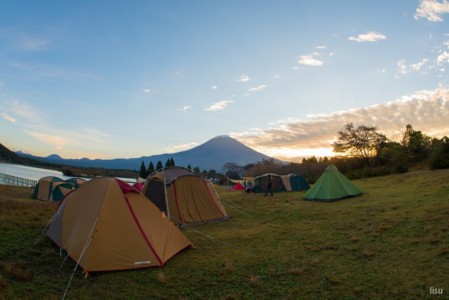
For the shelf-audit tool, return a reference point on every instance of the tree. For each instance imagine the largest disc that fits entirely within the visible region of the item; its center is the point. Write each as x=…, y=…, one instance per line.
x=312, y=160
x=150, y=168
x=159, y=165
x=170, y=162
x=197, y=170
x=416, y=144
x=361, y=142
x=233, y=170
x=189, y=167
x=264, y=166
x=211, y=174
x=394, y=156
x=143, y=170
x=439, y=158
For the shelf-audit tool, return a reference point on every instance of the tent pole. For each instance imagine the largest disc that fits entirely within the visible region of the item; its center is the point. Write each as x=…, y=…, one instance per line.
x=44, y=230
x=211, y=186
x=89, y=239
x=65, y=259
x=165, y=195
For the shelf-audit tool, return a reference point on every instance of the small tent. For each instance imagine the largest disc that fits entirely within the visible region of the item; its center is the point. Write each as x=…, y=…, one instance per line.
x=51, y=188
x=44, y=188
x=76, y=181
x=277, y=184
x=60, y=189
x=238, y=187
x=332, y=186
x=294, y=182
x=281, y=183
x=107, y=225
x=185, y=197
x=138, y=186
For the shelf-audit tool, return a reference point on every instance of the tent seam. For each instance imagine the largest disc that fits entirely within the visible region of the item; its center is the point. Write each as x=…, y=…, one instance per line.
x=142, y=232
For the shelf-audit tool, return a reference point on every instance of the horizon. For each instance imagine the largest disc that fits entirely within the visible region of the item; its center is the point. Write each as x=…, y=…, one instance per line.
x=83, y=80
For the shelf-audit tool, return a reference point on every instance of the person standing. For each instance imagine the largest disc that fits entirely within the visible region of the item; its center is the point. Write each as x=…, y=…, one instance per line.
x=249, y=187
x=269, y=186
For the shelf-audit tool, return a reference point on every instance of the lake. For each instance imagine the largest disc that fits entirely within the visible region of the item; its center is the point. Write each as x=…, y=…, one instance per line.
x=33, y=173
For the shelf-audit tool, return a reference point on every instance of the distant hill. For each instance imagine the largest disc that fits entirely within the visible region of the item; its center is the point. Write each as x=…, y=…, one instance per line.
x=211, y=155
x=20, y=158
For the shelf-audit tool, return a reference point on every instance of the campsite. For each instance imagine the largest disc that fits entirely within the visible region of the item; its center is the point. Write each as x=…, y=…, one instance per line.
x=391, y=242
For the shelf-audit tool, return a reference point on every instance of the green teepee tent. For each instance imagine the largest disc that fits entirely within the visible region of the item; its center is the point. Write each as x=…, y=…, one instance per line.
x=332, y=186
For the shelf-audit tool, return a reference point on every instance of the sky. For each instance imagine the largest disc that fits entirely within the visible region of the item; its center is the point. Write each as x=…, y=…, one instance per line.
x=125, y=79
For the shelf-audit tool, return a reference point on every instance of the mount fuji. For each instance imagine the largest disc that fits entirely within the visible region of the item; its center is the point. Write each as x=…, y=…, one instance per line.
x=211, y=155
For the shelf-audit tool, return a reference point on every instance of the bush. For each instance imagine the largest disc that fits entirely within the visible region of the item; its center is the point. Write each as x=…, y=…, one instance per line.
x=439, y=158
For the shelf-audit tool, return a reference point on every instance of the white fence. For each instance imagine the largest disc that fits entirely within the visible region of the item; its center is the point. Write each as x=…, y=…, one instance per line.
x=13, y=180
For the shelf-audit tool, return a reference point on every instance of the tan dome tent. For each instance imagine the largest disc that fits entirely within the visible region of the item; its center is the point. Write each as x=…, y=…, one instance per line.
x=108, y=225
x=45, y=186
x=276, y=181
x=185, y=197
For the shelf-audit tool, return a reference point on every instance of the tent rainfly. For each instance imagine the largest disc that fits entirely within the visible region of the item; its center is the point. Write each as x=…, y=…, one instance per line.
x=45, y=186
x=238, y=187
x=332, y=186
x=277, y=185
x=281, y=183
x=185, y=197
x=107, y=225
x=294, y=182
x=51, y=188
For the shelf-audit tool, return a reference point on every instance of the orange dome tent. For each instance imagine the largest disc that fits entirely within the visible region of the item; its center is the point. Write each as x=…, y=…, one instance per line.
x=107, y=225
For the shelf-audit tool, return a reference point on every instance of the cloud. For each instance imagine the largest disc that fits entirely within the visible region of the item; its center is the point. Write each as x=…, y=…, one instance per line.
x=443, y=58
x=214, y=87
x=31, y=43
x=218, y=105
x=419, y=65
x=146, y=90
x=257, y=89
x=368, y=37
x=436, y=63
x=57, y=141
x=185, y=108
x=33, y=123
x=61, y=139
x=427, y=111
x=403, y=68
x=8, y=118
x=182, y=147
x=244, y=78
x=24, y=111
x=45, y=70
x=309, y=60
x=432, y=10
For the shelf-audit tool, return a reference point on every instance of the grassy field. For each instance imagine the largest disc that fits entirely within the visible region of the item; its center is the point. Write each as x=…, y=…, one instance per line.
x=390, y=243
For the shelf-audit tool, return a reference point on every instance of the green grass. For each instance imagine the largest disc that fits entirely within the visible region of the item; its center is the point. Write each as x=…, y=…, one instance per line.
x=390, y=243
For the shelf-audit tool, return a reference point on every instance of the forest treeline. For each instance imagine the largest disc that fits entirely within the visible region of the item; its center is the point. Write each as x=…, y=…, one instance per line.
x=362, y=151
